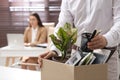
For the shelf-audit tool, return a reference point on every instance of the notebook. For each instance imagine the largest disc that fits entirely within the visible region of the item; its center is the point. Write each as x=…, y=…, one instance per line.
x=15, y=40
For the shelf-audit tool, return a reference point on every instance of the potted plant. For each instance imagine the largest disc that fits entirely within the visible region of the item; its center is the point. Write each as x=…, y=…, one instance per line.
x=64, y=39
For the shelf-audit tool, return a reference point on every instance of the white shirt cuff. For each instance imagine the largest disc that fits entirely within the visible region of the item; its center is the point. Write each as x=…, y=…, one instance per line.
x=110, y=40
x=57, y=50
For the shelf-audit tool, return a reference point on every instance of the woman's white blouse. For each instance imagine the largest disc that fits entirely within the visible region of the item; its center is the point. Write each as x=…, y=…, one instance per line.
x=34, y=33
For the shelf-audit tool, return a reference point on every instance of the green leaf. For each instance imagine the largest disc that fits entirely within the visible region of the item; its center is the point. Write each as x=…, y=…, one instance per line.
x=56, y=41
x=61, y=34
x=74, y=36
x=66, y=42
x=63, y=54
x=64, y=39
x=67, y=28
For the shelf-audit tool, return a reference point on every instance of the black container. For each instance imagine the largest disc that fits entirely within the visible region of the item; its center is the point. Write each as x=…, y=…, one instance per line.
x=84, y=40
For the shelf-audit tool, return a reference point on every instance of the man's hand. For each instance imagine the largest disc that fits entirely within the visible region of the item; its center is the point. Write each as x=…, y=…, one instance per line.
x=98, y=42
x=46, y=55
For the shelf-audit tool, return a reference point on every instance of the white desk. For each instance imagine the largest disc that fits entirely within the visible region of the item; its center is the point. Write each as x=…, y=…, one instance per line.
x=17, y=52
x=7, y=73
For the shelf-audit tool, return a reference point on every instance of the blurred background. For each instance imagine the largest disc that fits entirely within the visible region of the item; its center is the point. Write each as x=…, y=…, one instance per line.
x=14, y=14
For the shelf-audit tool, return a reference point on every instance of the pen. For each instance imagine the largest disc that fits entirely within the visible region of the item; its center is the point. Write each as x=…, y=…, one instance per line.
x=93, y=34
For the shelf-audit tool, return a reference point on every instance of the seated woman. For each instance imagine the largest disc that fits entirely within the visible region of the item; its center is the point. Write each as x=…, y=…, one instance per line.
x=34, y=34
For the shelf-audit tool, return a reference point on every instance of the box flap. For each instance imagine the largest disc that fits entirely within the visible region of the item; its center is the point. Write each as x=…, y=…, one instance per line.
x=52, y=70
x=90, y=72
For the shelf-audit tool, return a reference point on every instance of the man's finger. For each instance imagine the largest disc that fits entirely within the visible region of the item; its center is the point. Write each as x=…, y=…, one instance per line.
x=48, y=55
x=43, y=55
x=40, y=58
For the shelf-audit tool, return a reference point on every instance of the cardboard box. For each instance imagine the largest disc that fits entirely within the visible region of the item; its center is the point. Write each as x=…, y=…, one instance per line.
x=52, y=70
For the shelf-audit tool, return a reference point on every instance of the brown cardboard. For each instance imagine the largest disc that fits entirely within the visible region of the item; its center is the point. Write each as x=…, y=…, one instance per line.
x=52, y=70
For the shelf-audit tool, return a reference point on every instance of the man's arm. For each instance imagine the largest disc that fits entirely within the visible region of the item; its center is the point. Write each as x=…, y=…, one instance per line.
x=113, y=36
x=64, y=16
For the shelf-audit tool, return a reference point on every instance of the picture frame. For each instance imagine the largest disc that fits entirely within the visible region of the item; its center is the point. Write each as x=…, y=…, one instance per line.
x=74, y=59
